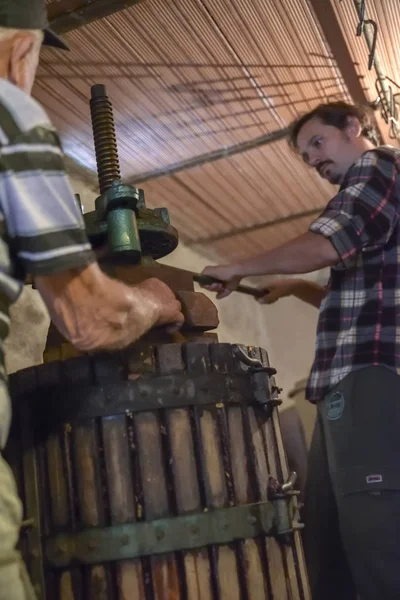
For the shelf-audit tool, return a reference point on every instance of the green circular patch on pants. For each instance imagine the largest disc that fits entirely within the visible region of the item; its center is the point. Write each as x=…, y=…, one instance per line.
x=335, y=406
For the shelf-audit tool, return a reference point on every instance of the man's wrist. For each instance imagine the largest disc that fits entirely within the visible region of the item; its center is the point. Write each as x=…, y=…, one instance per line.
x=147, y=302
x=296, y=285
x=239, y=270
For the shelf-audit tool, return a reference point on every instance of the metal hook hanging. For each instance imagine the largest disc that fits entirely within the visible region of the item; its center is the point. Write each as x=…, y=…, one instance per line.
x=387, y=100
x=390, y=110
x=371, y=57
x=360, y=26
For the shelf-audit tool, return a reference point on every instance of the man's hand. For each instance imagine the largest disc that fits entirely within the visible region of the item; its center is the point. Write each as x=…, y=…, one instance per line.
x=307, y=291
x=280, y=288
x=228, y=276
x=96, y=312
x=169, y=307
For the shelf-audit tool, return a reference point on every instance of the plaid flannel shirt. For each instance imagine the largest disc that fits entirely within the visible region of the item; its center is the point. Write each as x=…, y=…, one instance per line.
x=359, y=321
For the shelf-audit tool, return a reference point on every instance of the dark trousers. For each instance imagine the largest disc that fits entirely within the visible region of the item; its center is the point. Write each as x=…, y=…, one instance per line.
x=352, y=500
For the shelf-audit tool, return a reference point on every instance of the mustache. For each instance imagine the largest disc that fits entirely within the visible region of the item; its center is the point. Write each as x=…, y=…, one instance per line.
x=323, y=164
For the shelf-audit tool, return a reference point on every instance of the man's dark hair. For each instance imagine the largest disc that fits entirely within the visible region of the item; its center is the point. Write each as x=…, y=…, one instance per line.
x=336, y=114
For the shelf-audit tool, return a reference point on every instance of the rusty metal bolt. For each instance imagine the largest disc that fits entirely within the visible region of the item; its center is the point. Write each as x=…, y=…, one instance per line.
x=61, y=549
x=28, y=523
x=91, y=545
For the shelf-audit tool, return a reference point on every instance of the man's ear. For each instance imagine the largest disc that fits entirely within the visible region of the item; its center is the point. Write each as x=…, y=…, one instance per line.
x=21, y=45
x=353, y=127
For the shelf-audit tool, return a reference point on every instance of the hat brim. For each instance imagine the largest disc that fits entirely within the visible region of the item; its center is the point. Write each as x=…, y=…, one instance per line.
x=52, y=39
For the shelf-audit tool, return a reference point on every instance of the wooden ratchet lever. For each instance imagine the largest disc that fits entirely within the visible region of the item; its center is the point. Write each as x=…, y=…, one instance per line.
x=243, y=289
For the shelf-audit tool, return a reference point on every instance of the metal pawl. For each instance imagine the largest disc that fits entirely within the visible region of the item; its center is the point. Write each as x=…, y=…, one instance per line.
x=254, y=363
x=284, y=498
x=265, y=392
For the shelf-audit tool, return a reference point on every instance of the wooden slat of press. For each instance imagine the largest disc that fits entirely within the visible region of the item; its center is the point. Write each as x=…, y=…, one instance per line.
x=252, y=559
x=276, y=564
x=258, y=482
x=57, y=493
x=225, y=567
x=121, y=499
x=59, y=508
x=90, y=507
x=13, y=452
x=278, y=469
x=54, y=495
x=164, y=572
x=277, y=575
x=184, y=474
x=297, y=547
x=82, y=450
x=264, y=443
x=69, y=585
x=66, y=591
x=23, y=385
x=295, y=554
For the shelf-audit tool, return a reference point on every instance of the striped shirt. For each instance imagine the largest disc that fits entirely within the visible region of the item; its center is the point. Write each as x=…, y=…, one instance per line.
x=359, y=322
x=42, y=225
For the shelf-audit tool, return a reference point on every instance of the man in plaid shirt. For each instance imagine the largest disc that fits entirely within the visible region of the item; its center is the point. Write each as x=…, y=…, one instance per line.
x=359, y=322
x=352, y=507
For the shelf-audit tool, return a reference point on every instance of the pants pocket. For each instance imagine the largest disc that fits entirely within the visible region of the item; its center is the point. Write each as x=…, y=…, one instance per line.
x=372, y=479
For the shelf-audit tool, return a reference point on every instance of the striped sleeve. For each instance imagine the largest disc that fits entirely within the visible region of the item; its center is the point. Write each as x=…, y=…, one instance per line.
x=45, y=227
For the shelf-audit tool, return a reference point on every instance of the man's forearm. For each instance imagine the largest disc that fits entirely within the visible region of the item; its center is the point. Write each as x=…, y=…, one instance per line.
x=95, y=312
x=309, y=252
x=309, y=292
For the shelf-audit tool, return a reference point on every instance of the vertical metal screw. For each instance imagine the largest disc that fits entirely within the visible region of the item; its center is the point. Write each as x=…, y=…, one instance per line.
x=105, y=140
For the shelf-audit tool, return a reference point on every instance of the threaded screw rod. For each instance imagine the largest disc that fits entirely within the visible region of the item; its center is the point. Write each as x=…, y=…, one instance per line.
x=105, y=140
